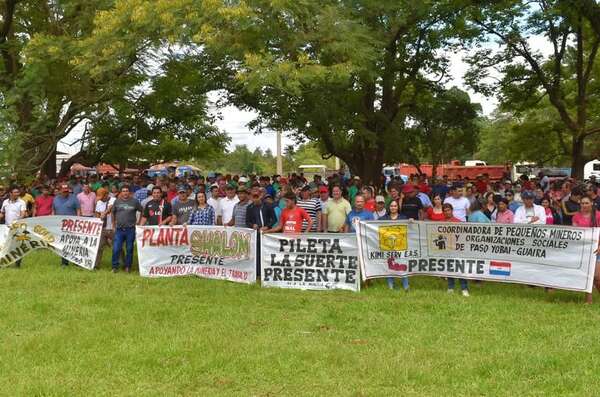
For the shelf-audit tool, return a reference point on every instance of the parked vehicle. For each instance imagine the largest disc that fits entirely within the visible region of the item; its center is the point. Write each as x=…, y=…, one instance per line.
x=592, y=168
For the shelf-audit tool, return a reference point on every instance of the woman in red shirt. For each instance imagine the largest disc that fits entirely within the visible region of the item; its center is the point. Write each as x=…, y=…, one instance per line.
x=436, y=212
x=464, y=286
x=588, y=217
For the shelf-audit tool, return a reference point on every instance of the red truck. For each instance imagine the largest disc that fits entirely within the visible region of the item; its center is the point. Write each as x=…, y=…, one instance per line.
x=455, y=169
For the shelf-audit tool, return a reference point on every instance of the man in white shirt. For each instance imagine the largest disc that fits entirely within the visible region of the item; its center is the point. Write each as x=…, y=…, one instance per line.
x=529, y=212
x=227, y=204
x=215, y=202
x=460, y=204
x=13, y=209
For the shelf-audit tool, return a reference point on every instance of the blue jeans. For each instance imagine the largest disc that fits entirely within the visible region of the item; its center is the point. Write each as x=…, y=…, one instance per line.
x=463, y=283
x=390, y=282
x=123, y=235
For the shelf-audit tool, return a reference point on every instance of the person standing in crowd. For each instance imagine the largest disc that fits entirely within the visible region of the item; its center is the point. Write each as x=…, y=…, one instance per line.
x=425, y=201
x=227, y=204
x=552, y=217
x=359, y=213
x=215, y=202
x=436, y=212
x=504, y=214
x=512, y=203
x=157, y=211
x=588, y=216
x=124, y=211
x=476, y=214
x=13, y=208
x=464, y=285
x=312, y=208
x=260, y=215
x=103, y=211
x=395, y=215
x=380, y=210
x=530, y=212
x=592, y=194
x=338, y=208
x=87, y=201
x=410, y=205
x=143, y=193
x=323, y=200
x=490, y=209
x=204, y=214
x=394, y=189
x=182, y=207
x=240, y=208
x=571, y=206
x=460, y=205
x=65, y=204
x=43, y=203
x=292, y=217
x=367, y=192
x=172, y=192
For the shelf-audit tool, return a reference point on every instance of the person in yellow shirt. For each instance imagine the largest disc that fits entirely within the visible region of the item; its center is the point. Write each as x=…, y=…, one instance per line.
x=29, y=201
x=335, y=212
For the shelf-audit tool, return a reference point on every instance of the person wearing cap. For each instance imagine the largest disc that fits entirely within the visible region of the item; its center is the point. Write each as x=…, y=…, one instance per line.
x=380, y=210
x=312, y=206
x=335, y=213
x=215, y=202
x=292, y=217
x=182, y=207
x=240, y=208
x=460, y=204
x=410, y=205
x=530, y=212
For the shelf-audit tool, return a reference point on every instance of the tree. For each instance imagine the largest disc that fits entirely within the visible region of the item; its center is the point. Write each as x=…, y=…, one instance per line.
x=345, y=74
x=567, y=78
x=446, y=123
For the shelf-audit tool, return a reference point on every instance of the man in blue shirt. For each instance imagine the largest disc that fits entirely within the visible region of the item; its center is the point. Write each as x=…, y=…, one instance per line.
x=359, y=213
x=66, y=204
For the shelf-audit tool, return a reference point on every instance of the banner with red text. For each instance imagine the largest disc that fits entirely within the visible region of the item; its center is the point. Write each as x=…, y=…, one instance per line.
x=217, y=252
x=545, y=255
x=73, y=238
x=318, y=261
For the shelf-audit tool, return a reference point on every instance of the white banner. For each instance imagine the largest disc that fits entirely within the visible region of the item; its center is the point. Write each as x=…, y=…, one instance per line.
x=73, y=238
x=317, y=261
x=549, y=256
x=217, y=252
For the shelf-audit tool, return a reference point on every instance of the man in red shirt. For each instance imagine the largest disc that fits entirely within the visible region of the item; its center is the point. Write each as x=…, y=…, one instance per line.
x=291, y=217
x=480, y=184
x=43, y=203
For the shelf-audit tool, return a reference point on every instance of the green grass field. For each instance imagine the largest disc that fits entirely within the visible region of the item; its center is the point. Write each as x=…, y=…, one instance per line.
x=75, y=332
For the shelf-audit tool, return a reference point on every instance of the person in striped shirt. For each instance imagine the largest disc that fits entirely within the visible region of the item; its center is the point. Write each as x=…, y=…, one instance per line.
x=312, y=206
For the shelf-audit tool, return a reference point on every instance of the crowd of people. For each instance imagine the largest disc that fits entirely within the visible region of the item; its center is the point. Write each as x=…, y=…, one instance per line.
x=294, y=204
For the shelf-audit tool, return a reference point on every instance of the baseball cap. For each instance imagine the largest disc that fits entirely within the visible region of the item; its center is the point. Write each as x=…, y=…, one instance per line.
x=380, y=199
x=182, y=188
x=243, y=179
x=305, y=188
x=323, y=189
x=150, y=187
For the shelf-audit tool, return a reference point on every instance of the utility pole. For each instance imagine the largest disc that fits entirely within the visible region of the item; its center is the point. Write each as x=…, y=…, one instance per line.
x=279, y=158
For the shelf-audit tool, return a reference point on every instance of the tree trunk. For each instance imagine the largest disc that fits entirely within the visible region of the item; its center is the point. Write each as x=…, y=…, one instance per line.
x=49, y=167
x=577, y=158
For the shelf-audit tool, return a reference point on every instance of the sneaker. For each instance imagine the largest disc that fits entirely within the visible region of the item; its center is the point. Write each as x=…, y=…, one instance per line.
x=450, y=291
x=465, y=292
x=114, y=270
